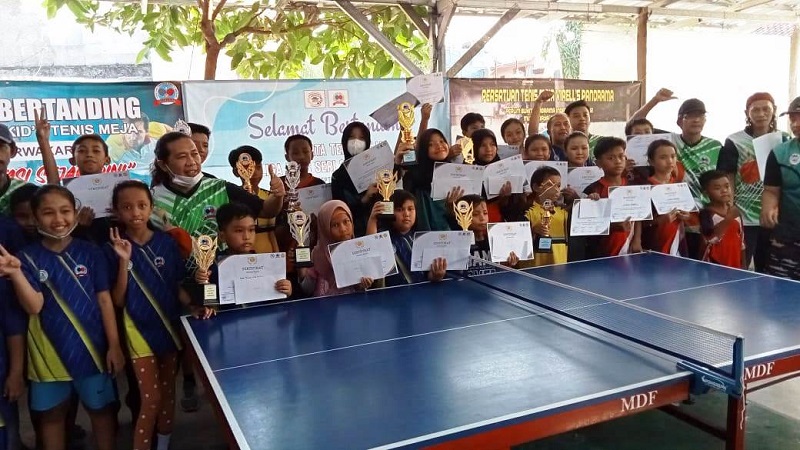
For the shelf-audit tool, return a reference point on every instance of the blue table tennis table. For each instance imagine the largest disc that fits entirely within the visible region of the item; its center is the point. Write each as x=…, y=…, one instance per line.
x=488, y=362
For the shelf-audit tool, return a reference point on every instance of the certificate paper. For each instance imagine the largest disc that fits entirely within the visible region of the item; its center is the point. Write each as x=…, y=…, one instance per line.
x=386, y=115
x=363, y=167
x=595, y=221
x=312, y=198
x=560, y=166
x=94, y=191
x=507, y=237
x=250, y=278
x=637, y=146
x=454, y=246
x=507, y=151
x=369, y=256
x=427, y=88
x=446, y=176
x=675, y=196
x=506, y=170
x=632, y=202
x=763, y=146
x=580, y=178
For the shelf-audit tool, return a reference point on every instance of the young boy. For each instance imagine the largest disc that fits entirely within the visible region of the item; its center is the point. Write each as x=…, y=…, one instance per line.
x=638, y=126
x=580, y=118
x=479, y=226
x=609, y=155
x=8, y=149
x=546, y=185
x=22, y=213
x=200, y=136
x=265, y=241
x=237, y=230
x=472, y=122
x=298, y=148
x=721, y=222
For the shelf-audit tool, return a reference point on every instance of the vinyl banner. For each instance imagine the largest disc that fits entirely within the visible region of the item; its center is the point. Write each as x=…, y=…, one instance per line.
x=264, y=113
x=129, y=116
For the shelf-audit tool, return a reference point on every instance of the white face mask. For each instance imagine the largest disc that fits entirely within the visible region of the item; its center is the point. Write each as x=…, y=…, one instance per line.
x=184, y=182
x=356, y=146
x=64, y=236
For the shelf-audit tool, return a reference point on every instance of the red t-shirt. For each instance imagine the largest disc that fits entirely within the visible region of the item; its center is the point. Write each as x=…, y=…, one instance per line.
x=726, y=250
x=660, y=238
x=612, y=244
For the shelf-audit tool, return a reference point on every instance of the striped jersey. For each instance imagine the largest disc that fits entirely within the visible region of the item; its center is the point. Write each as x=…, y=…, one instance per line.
x=693, y=161
x=5, y=196
x=66, y=340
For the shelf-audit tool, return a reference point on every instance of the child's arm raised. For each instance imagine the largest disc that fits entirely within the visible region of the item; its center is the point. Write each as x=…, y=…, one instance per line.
x=372, y=223
x=114, y=359
x=274, y=204
x=43, y=138
x=662, y=95
x=122, y=248
x=533, y=121
x=29, y=298
x=426, y=109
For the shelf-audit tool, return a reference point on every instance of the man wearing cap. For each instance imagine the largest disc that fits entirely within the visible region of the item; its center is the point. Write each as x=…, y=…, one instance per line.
x=780, y=209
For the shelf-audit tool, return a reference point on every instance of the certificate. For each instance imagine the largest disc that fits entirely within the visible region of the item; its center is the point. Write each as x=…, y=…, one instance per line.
x=630, y=202
x=674, y=196
x=311, y=198
x=94, y=191
x=250, y=278
x=454, y=246
x=386, y=115
x=363, y=167
x=560, y=166
x=446, y=176
x=507, y=237
x=590, y=217
x=506, y=170
x=763, y=146
x=507, y=151
x=580, y=178
x=427, y=88
x=369, y=256
x=638, y=144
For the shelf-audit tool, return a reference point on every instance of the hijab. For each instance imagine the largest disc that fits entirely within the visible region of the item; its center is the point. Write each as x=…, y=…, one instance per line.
x=320, y=255
x=420, y=177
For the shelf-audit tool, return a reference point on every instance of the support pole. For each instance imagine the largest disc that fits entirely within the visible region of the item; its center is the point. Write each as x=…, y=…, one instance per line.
x=641, y=53
x=444, y=14
x=415, y=18
x=794, y=58
x=478, y=46
x=358, y=17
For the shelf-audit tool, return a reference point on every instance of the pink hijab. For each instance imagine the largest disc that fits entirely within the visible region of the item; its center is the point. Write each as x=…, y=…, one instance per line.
x=320, y=256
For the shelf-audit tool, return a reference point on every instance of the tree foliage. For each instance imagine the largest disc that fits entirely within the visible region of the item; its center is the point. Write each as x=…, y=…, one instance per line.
x=262, y=42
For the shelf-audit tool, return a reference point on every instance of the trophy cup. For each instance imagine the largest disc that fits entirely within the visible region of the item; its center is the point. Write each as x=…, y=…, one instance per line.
x=467, y=150
x=405, y=115
x=204, y=251
x=544, y=243
x=245, y=167
x=292, y=181
x=387, y=183
x=463, y=213
x=182, y=127
x=299, y=227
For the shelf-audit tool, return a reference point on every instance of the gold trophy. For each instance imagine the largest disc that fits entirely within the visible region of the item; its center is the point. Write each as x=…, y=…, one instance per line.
x=204, y=251
x=467, y=150
x=463, y=213
x=387, y=183
x=299, y=226
x=292, y=181
x=544, y=243
x=245, y=167
x=405, y=115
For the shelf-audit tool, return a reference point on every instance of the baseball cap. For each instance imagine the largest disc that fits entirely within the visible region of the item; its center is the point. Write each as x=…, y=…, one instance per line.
x=692, y=105
x=5, y=135
x=794, y=107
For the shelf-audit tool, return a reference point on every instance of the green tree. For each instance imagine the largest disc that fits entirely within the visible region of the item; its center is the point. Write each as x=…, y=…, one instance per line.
x=569, y=40
x=263, y=42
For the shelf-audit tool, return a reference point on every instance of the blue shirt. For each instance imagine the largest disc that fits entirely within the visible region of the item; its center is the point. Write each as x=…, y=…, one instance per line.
x=13, y=322
x=11, y=235
x=66, y=340
x=403, y=243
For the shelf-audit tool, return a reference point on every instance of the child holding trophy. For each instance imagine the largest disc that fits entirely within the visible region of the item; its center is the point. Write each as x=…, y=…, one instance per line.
x=471, y=213
x=246, y=162
x=548, y=220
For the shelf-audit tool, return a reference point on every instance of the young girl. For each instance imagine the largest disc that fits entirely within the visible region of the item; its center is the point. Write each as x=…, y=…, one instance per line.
x=665, y=232
x=721, y=222
x=485, y=144
x=513, y=132
x=402, y=234
x=431, y=148
x=546, y=185
x=147, y=271
x=334, y=224
x=576, y=147
x=355, y=140
x=73, y=348
x=537, y=148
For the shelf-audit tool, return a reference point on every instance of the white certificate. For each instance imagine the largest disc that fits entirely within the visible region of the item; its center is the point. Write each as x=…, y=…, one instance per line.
x=637, y=146
x=94, y=191
x=369, y=256
x=590, y=217
x=507, y=151
x=251, y=278
x=763, y=146
x=580, y=178
x=507, y=237
x=427, y=88
x=560, y=166
x=446, y=176
x=311, y=198
x=674, y=196
x=506, y=170
x=363, y=167
x=454, y=246
x=630, y=202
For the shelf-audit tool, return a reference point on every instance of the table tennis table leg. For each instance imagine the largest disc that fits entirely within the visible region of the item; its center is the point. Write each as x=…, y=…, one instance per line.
x=736, y=423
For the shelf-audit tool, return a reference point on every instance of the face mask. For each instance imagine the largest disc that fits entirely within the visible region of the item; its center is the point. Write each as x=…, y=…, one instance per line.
x=184, y=182
x=356, y=146
x=54, y=236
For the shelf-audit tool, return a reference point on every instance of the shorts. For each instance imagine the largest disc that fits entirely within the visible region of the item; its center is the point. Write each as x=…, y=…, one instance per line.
x=95, y=392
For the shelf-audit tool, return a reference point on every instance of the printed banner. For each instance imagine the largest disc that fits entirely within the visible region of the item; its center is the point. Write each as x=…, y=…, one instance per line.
x=129, y=116
x=264, y=113
x=501, y=99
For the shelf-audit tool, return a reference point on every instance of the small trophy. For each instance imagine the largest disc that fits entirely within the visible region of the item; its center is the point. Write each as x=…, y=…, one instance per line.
x=245, y=167
x=387, y=183
x=204, y=251
x=405, y=114
x=299, y=227
x=292, y=181
x=467, y=150
x=463, y=212
x=544, y=243
x=182, y=127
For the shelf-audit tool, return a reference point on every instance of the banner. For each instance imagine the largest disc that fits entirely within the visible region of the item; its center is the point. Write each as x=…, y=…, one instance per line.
x=505, y=98
x=130, y=117
x=264, y=113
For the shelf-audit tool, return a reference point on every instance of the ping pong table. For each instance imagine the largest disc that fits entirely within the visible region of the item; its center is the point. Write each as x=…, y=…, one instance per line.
x=471, y=363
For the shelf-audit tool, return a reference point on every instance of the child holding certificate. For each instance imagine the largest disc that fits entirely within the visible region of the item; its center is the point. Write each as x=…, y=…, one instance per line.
x=479, y=226
x=665, y=233
x=485, y=144
x=576, y=148
x=721, y=222
x=546, y=185
x=513, y=132
x=537, y=148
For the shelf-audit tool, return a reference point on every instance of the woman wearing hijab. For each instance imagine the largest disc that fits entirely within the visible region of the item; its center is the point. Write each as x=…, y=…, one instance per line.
x=355, y=140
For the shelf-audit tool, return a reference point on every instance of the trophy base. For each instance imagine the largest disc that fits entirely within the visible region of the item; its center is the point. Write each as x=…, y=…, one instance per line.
x=387, y=211
x=543, y=245
x=302, y=257
x=409, y=159
x=210, y=297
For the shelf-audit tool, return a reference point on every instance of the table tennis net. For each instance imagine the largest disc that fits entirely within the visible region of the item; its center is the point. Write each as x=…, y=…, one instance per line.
x=676, y=337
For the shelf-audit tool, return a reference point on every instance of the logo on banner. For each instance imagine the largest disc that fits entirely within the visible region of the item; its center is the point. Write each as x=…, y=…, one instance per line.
x=338, y=99
x=315, y=99
x=166, y=94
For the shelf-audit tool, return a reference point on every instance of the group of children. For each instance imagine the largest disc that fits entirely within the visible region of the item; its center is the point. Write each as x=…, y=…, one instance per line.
x=102, y=295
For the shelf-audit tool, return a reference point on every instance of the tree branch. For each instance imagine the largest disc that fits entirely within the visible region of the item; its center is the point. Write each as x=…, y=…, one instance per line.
x=218, y=9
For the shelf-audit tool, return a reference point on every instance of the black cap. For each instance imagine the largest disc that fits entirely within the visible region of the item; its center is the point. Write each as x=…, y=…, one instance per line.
x=692, y=105
x=5, y=135
x=794, y=107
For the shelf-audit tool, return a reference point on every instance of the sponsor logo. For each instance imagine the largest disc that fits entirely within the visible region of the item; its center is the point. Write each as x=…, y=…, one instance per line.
x=314, y=99
x=43, y=276
x=159, y=261
x=166, y=94
x=209, y=212
x=81, y=270
x=338, y=99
